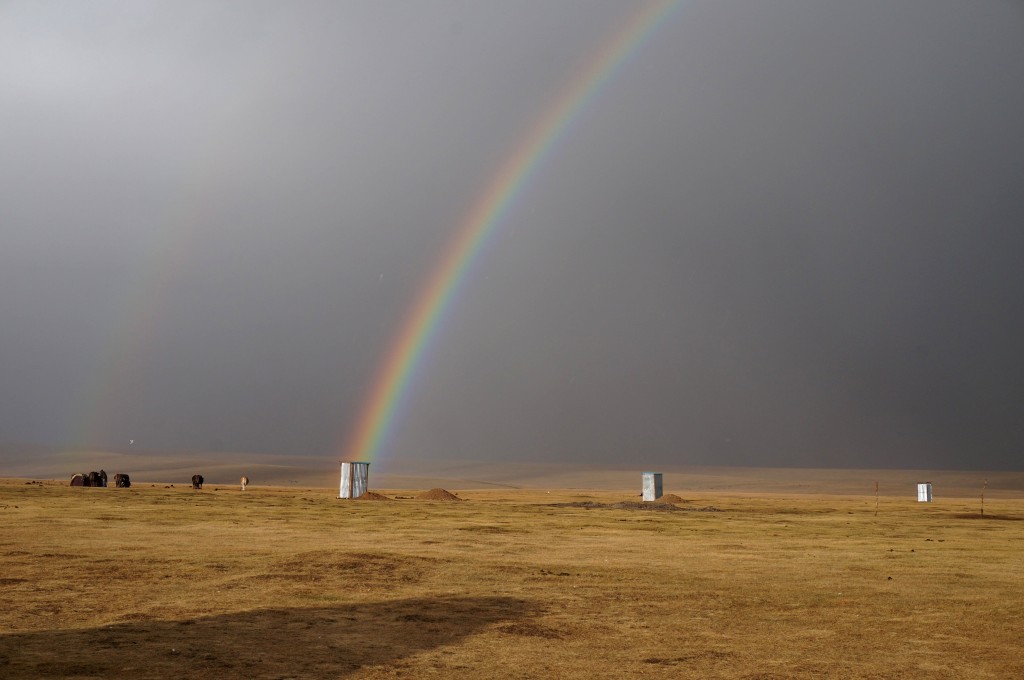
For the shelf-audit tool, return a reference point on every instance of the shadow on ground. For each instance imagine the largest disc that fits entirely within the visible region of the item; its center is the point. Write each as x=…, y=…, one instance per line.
x=264, y=643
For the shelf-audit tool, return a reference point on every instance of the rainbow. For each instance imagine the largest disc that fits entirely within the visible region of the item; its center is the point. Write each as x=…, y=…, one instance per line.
x=394, y=376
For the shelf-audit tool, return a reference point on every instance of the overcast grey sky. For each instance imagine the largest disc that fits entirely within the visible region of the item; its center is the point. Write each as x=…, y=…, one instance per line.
x=785, y=233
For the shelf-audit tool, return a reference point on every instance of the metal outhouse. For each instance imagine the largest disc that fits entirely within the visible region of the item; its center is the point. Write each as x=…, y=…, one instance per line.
x=355, y=478
x=924, y=492
x=652, y=486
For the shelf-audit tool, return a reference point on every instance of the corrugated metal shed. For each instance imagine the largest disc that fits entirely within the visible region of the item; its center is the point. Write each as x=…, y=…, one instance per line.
x=355, y=478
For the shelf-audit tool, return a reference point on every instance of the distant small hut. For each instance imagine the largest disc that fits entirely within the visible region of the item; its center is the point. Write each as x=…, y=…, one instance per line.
x=355, y=478
x=78, y=480
x=651, y=487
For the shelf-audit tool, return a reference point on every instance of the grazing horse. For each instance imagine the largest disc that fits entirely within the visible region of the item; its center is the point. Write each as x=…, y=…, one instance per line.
x=244, y=481
x=121, y=481
x=197, y=481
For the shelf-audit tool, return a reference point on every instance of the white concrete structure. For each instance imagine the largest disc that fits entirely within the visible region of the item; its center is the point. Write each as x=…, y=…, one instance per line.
x=924, y=492
x=355, y=479
x=652, y=486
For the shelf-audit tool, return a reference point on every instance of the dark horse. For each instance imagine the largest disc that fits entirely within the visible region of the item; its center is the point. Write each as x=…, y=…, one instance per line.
x=121, y=481
x=197, y=481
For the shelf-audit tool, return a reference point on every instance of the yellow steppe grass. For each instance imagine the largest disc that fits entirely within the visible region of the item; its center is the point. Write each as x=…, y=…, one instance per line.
x=162, y=582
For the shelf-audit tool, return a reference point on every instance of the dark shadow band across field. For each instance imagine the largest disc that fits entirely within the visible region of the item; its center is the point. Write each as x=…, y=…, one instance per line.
x=261, y=643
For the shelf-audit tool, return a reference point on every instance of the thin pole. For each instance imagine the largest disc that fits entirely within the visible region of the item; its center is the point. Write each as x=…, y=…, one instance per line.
x=876, y=498
x=983, y=497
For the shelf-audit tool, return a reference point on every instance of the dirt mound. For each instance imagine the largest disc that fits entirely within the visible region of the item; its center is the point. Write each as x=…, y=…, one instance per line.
x=372, y=496
x=644, y=505
x=671, y=498
x=438, y=495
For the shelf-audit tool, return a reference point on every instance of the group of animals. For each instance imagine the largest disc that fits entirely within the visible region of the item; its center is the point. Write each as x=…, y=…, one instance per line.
x=197, y=482
x=121, y=481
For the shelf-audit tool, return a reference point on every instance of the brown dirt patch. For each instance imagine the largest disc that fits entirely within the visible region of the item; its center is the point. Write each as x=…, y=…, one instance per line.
x=372, y=496
x=438, y=495
x=643, y=505
x=671, y=498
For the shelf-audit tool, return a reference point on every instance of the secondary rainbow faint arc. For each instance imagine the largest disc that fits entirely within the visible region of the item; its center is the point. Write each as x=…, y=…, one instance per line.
x=421, y=324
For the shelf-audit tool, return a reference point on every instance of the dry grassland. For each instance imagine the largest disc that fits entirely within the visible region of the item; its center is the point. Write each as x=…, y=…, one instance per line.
x=156, y=582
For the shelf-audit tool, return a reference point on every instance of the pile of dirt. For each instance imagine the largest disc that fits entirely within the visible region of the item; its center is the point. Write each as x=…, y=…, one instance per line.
x=671, y=498
x=643, y=505
x=372, y=496
x=438, y=495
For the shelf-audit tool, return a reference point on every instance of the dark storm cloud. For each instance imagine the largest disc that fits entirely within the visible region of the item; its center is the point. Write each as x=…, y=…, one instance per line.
x=784, y=233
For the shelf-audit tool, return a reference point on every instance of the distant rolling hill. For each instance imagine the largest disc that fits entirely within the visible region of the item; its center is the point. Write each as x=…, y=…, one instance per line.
x=177, y=467
x=170, y=466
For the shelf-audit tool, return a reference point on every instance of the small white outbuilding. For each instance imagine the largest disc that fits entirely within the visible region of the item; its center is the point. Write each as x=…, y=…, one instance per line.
x=924, y=492
x=355, y=479
x=652, y=486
